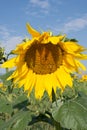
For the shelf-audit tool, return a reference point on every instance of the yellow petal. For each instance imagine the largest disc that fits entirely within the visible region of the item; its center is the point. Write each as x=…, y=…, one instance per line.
x=81, y=56
x=29, y=82
x=64, y=77
x=32, y=31
x=55, y=82
x=19, y=49
x=48, y=84
x=22, y=81
x=14, y=74
x=28, y=79
x=9, y=64
x=39, y=88
x=55, y=39
x=32, y=83
x=84, y=78
x=79, y=64
x=21, y=73
x=72, y=47
x=70, y=60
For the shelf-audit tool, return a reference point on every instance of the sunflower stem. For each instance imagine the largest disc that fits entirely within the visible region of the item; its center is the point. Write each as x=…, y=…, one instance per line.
x=7, y=70
x=57, y=126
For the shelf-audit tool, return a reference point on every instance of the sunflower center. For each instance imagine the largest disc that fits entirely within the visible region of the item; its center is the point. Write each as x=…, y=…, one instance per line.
x=43, y=58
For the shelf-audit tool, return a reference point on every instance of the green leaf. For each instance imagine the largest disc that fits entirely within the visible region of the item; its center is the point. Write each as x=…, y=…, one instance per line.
x=5, y=76
x=72, y=114
x=1, y=122
x=66, y=39
x=5, y=106
x=80, y=87
x=68, y=92
x=18, y=122
x=21, y=102
x=74, y=40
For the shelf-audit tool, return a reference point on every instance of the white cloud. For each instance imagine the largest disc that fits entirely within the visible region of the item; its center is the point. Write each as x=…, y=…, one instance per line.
x=37, y=7
x=41, y=3
x=4, y=32
x=11, y=42
x=7, y=40
x=75, y=24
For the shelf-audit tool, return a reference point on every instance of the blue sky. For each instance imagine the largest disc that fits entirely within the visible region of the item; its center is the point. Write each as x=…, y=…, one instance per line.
x=65, y=16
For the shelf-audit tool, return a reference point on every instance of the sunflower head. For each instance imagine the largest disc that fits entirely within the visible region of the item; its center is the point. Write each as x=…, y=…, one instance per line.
x=45, y=62
x=2, y=86
x=84, y=77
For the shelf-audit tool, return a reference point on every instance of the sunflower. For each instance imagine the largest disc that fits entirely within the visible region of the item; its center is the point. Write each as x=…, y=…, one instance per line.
x=2, y=86
x=84, y=77
x=45, y=62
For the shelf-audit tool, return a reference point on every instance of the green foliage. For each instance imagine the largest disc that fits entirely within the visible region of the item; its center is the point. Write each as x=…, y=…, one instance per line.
x=66, y=39
x=1, y=53
x=66, y=111
x=72, y=114
x=19, y=112
x=19, y=121
x=71, y=110
x=80, y=86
